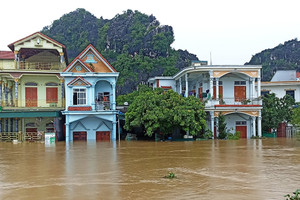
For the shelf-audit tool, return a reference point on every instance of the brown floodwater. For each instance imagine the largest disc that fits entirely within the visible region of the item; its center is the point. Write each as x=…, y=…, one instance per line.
x=227, y=170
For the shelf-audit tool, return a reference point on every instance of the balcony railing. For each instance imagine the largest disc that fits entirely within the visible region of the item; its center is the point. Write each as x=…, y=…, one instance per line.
x=20, y=136
x=102, y=105
x=31, y=103
x=40, y=66
x=233, y=101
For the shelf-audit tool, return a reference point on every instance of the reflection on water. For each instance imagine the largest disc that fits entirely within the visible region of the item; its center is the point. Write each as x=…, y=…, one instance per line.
x=244, y=169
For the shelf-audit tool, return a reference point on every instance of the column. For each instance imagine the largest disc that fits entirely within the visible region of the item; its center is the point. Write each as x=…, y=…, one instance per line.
x=253, y=126
x=252, y=96
x=67, y=129
x=62, y=91
x=93, y=99
x=180, y=86
x=16, y=124
x=114, y=130
x=258, y=87
x=186, y=86
x=217, y=89
x=1, y=125
x=211, y=84
x=62, y=59
x=113, y=96
x=11, y=95
x=16, y=92
x=1, y=92
x=17, y=60
x=259, y=124
x=6, y=93
x=212, y=123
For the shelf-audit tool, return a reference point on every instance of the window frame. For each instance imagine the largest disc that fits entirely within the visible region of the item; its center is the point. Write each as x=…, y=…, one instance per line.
x=82, y=100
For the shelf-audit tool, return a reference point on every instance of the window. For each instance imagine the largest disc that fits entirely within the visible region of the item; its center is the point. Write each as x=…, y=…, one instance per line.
x=51, y=84
x=220, y=83
x=31, y=84
x=239, y=82
x=240, y=123
x=79, y=96
x=51, y=95
x=291, y=93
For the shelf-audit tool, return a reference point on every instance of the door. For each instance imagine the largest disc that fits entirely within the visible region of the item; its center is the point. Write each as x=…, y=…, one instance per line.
x=200, y=92
x=220, y=92
x=31, y=97
x=79, y=136
x=239, y=93
x=103, y=135
x=241, y=126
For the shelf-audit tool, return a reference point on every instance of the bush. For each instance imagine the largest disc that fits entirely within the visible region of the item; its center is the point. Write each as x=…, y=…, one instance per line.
x=235, y=136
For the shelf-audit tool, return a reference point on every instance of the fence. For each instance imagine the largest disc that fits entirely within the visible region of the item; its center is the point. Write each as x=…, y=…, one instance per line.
x=28, y=136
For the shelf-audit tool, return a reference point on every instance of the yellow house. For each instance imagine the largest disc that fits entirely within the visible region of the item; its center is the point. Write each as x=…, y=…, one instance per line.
x=32, y=90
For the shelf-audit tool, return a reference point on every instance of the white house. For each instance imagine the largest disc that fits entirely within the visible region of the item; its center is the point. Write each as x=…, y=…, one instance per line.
x=230, y=90
x=282, y=83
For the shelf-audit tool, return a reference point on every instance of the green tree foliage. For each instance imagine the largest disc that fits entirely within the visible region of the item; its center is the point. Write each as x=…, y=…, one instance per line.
x=134, y=43
x=158, y=111
x=276, y=110
x=222, y=127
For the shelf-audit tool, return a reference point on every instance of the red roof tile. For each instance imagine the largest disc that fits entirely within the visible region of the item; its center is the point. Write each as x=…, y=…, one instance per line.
x=8, y=55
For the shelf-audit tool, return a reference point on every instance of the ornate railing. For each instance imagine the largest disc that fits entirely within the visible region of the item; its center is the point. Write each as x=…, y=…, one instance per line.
x=41, y=66
x=31, y=103
x=19, y=136
x=10, y=136
x=102, y=105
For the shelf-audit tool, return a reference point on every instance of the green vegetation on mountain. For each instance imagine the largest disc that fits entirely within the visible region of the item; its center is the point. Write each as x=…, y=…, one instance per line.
x=282, y=57
x=134, y=43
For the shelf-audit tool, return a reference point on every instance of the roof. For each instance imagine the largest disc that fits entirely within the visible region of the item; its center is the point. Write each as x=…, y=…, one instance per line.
x=7, y=55
x=286, y=75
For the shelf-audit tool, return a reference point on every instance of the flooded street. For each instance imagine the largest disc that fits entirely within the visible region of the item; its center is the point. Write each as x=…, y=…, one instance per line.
x=243, y=169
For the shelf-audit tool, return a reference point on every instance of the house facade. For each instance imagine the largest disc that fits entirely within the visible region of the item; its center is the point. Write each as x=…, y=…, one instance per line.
x=283, y=83
x=229, y=90
x=90, y=85
x=31, y=88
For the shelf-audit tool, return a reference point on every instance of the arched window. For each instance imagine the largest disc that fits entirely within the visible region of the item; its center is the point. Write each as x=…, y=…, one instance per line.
x=31, y=84
x=51, y=84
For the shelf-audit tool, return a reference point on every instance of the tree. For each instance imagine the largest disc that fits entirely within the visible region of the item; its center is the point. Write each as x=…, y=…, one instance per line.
x=158, y=111
x=222, y=127
x=276, y=110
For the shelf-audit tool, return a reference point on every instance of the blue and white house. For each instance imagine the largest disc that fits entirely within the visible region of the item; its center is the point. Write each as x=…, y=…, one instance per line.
x=90, y=85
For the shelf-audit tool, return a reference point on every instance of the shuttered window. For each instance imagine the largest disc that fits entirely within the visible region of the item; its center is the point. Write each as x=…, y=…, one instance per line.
x=51, y=95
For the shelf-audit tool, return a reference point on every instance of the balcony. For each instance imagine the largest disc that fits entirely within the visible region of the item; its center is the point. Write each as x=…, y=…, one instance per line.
x=233, y=102
x=40, y=66
x=102, y=105
x=33, y=104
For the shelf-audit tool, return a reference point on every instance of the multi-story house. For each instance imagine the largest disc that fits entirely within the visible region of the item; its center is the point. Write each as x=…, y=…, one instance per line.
x=229, y=90
x=90, y=85
x=31, y=88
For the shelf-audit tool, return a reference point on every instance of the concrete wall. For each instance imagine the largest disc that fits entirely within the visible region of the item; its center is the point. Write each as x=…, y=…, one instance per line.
x=280, y=90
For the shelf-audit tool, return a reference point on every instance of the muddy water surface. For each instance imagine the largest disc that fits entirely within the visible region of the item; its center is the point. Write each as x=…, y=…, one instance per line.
x=244, y=169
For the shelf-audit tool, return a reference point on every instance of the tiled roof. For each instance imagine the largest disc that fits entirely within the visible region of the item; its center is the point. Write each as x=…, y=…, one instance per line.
x=7, y=55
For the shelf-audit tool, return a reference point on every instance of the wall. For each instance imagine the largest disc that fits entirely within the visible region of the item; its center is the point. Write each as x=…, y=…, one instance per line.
x=7, y=64
x=280, y=90
x=232, y=118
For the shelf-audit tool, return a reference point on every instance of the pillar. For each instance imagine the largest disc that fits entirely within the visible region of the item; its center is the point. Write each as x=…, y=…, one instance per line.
x=6, y=125
x=258, y=87
x=259, y=124
x=16, y=92
x=186, y=86
x=211, y=84
x=113, y=96
x=217, y=89
x=1, y=92
x=252, y=96
x=217, y=126
x=16, y=124
x=114, y=130
x=17, y=60
x=6, y=93
x=212, y=123
x=11, y=124
x=180, y=86
x=62, y=91
x=253, y=126
x=62, y=59
x=11, y=95
x=1, y=125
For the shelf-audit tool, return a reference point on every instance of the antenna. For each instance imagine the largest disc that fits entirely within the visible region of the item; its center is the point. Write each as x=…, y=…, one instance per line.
x=210, y=59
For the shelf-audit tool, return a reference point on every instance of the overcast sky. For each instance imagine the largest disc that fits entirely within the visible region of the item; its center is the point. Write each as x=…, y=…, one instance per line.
x=230, y=30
